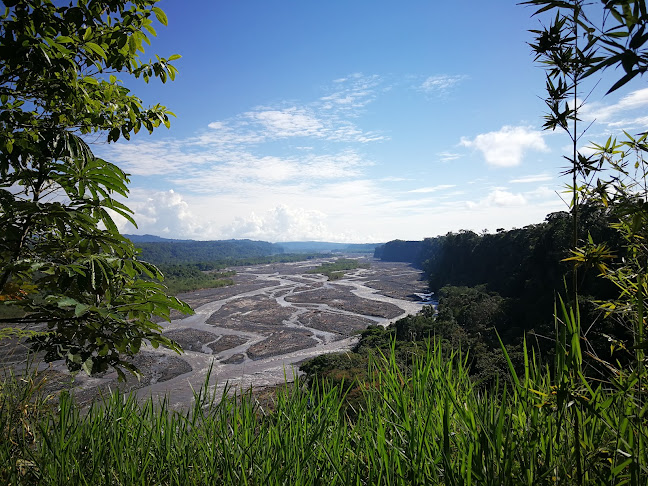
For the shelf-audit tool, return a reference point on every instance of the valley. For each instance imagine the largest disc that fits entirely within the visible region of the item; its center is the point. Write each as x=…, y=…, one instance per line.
x=255, y=332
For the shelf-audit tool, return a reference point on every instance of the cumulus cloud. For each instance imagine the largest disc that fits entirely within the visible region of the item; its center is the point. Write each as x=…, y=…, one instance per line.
x=297, y=213
x=498, y=197
x=506, y=147
x=163, y=213
x=281, y=223
x=502, y=198
x=505, y=198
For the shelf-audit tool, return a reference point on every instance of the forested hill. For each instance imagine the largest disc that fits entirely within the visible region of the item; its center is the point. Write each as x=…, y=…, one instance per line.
x=162, y=251
x=506, y=261
x=524, y=266
x=492, y=287
x=401, y=251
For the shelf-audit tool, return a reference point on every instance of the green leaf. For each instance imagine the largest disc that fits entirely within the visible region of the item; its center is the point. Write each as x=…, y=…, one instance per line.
x=160, y=15
x=103, y=351
x=96, y=49
x=173, y=57
x=87, y=366
x=66, y=302
x=80, y=309
x=623, y=81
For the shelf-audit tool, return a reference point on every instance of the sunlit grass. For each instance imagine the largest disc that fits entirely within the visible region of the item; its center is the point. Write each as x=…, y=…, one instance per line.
x=426, y=424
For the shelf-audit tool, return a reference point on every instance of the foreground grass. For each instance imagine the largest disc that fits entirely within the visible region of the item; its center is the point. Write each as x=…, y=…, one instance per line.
x=424, y=425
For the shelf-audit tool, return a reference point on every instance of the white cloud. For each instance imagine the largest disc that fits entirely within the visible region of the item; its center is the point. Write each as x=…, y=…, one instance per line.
x=216, y=125
x=281, y=223
x=327, y=118
x=237, y=150
x=636, y=99
x=227, y=135
x=289, y=122
x=506, y=147
x=297, y=213
x=156, y=158
x=163, y=213
x=239, y=170
x=541, y=193
x=440, y=187
x=500, y=197
x=448, y=156
x=627, y=123
x=606, y=113
x=295, y=171
x=218, y=169
x=532, y=178
x=351, y=93
x=268, y=124
x=441, y=84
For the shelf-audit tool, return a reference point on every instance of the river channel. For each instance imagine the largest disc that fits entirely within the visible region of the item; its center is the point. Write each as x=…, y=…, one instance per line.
x=254, y=333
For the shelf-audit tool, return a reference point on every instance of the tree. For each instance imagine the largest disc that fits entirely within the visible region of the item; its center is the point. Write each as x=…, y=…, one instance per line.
x=75, y=279
x=567, y=57
x=615, y=178
x=622, y=37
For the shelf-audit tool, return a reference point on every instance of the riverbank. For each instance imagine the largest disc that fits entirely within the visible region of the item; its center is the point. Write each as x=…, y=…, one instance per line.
x=254, y=333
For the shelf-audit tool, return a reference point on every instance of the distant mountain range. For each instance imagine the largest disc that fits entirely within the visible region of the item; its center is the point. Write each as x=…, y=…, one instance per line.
x=324, y=246
x=150, y=239
x=166, y=250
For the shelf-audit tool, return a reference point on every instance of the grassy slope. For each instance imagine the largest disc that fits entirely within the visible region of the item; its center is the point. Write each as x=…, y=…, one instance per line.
x=424, y=425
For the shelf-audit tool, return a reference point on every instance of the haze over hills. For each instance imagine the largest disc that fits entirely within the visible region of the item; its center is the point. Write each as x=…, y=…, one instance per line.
x=167, y=250
x=150, y=239
x=324, y=246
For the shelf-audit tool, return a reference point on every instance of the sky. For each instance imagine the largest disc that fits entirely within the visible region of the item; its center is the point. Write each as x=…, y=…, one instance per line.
x=352, y=121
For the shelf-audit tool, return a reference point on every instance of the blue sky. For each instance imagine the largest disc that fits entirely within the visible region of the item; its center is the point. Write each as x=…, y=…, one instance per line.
x=351, y=121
